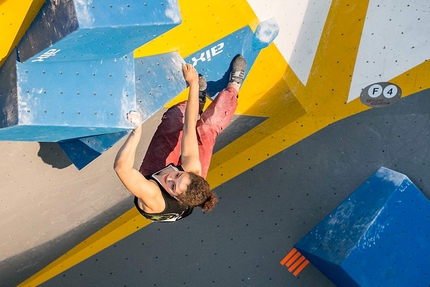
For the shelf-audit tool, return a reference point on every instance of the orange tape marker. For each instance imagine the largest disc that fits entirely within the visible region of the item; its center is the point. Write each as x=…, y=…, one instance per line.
x=294, y=260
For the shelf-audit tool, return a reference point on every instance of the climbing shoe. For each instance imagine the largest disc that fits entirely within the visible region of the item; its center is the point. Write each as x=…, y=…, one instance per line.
x=202, y=92
x=238, y=70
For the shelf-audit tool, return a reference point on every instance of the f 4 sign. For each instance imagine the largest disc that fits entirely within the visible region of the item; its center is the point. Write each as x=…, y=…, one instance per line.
x=380, y=95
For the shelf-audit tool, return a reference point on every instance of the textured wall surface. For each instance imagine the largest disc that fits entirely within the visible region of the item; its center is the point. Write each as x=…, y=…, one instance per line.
x=300, y=143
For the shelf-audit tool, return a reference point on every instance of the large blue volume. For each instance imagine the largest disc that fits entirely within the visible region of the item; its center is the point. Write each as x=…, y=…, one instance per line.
x=49, y=102
x=75, y=30
x=378, y=236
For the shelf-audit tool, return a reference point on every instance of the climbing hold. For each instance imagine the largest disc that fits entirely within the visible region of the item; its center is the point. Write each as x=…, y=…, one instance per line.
x=265, y=34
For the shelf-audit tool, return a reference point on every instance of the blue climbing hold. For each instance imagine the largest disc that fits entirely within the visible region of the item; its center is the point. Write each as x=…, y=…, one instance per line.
x=265, y=33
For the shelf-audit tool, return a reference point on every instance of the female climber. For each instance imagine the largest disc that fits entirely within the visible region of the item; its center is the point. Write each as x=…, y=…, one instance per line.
x=171, y=180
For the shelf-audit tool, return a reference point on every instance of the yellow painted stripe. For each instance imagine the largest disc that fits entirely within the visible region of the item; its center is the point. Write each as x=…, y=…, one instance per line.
x=415, y=80
x=123, y=226
x=15, y=18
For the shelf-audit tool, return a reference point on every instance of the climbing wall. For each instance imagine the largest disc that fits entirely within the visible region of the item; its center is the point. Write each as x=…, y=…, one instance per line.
x=305, y=136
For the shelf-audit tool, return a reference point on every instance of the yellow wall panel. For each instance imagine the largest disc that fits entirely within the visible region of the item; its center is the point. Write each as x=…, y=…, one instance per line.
x=15, y=18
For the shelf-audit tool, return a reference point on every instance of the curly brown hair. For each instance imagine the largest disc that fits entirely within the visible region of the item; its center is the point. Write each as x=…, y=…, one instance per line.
x=198, y=193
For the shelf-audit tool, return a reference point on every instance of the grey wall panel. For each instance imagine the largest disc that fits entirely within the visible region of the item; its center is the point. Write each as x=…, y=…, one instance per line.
x=267, y=209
